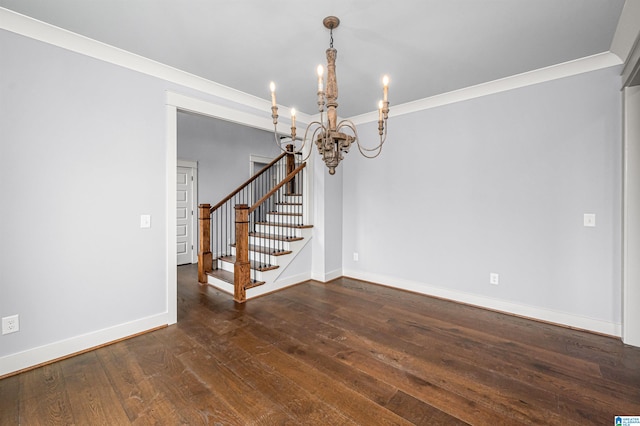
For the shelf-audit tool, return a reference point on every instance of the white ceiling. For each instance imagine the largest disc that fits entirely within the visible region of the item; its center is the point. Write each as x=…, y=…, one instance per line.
x=427, y=47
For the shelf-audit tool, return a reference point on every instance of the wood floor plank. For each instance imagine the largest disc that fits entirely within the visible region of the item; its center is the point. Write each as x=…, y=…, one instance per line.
x=418, y=412
x=90, y=393
x=318, y=356
x=326, y=337
x=346, y=352
x=10, y=400
x=522, y=330
x=256, y=362
x=563, y=373
x=142, y=401
x=357, y=407
x=47, y=398
x=180, y=385
x=575, y=378
x=493, y=390
x=251, y=405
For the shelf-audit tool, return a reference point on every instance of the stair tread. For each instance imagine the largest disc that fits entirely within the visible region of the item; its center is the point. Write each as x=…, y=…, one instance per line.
x=227, y=277
x=286, y=214
x=274, y=237
x=255, y=265
x=266, y=250
x=288, y=225
x=284, y=203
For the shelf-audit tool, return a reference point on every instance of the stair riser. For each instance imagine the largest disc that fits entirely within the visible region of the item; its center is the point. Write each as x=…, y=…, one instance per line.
x=266, y=242
x=287, y=208
x=292, y=199
x=278, y=230
x=290, y=220
x=228, y=266
x=221, y=285
x=260, y=257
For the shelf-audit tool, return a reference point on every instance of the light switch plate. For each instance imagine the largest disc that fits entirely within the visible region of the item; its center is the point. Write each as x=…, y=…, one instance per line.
x=590, y=220
x=145, y=221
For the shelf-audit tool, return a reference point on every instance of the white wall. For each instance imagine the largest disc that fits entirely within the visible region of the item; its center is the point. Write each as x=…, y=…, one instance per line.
x=222, y=150
x=82, y=155
x=84, y=151
x=327, y=215
x=498, y=184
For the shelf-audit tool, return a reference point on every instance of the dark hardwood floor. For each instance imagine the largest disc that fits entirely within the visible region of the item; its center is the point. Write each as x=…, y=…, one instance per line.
x=331, y=354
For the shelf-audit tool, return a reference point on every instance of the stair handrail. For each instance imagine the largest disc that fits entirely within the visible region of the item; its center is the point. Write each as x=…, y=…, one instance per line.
x=206, y=212
x=247, y=182
x=277, y=187
x=242, y=269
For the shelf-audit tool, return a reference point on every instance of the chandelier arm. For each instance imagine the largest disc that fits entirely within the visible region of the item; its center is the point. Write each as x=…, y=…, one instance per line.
x=276, y=137
x=304, y=140
x=363, y=150
x=320, y=126
x=378, y=148
x=370, y=156
x=277, y=141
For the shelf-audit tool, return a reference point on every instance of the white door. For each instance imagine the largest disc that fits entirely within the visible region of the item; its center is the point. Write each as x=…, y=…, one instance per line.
x=185, y=213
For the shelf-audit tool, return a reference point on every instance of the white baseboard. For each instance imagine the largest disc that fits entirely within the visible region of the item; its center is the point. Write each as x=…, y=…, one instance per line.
x=533, y=312
x=327, y=276
x=278, y=285
x=63, y=348
x=332, y=275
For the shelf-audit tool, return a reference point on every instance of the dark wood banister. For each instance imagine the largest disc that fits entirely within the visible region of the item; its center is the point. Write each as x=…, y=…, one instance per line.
x=251, y=179
x=278, y=186
x=242, y=267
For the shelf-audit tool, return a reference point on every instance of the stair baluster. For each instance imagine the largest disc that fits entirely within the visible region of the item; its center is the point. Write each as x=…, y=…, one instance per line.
x=232, y=218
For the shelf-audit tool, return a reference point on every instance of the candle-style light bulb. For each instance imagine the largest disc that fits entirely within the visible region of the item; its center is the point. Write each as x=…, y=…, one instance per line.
x=385, y=86
x=380, y=111
x=293, y=117
x=320, y=80
x=272, y=86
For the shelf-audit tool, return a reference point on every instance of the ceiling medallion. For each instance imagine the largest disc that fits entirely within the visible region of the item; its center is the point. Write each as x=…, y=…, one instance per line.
x=328, y=133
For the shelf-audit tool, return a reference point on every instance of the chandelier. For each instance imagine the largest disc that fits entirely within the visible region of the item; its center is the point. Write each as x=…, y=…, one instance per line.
x=329, y=134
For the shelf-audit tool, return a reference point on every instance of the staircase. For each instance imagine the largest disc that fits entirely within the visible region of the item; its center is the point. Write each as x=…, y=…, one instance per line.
x=244, y=248
x=273, y=244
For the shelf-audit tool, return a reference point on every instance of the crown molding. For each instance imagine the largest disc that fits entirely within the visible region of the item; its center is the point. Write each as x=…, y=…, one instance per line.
x=627, y=32
x=47, y=33
x=554, y=72
x=38, y=30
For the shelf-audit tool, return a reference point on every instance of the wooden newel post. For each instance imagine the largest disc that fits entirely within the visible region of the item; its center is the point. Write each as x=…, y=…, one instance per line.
x=291, y=165
x=205, y=258
x=242, y=267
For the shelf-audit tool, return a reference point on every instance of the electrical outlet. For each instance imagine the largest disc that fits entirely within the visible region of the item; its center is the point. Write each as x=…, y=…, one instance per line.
x=355, y=257
x=494, y=278
x=10, y=324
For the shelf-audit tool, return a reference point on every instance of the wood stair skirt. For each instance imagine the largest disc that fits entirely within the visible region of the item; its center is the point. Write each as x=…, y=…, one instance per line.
x=273, y=244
